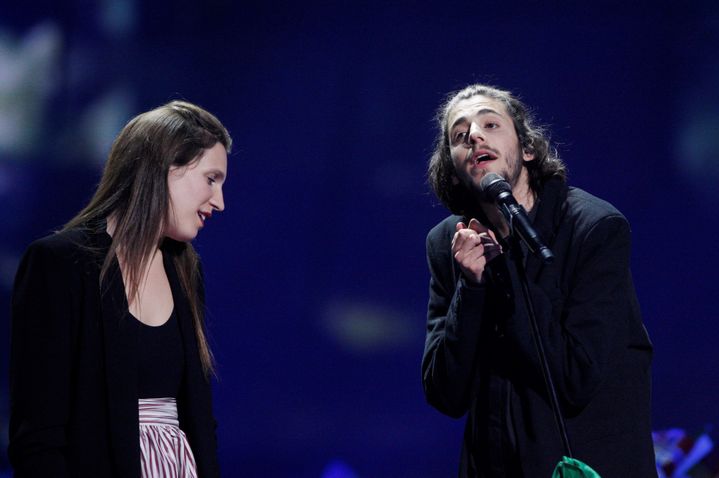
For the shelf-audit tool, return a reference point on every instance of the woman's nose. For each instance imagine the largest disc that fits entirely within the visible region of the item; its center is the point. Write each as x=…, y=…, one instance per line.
x=218, y=202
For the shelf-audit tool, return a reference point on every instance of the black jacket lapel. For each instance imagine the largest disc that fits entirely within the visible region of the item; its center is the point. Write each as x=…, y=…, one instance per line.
x=121, y=348
x=194, y=404
x=549, y=214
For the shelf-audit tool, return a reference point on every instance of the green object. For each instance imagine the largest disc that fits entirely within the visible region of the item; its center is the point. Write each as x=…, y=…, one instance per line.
x=573, y=468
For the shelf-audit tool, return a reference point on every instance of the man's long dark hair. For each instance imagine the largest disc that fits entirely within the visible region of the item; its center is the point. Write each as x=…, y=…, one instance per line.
x=532, y=139
x=134, y=191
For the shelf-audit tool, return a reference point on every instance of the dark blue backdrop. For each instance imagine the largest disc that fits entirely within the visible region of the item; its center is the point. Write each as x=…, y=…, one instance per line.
x=316, y=276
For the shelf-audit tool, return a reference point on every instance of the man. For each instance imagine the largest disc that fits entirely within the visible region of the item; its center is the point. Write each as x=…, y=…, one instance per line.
x=479, y=353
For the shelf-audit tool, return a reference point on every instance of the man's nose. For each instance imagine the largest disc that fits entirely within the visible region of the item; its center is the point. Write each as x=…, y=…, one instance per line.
x=217, y=201
x=476, y=135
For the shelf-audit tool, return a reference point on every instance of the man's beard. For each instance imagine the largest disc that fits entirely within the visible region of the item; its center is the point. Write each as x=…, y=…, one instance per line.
x=515, y=162
x=512, y=172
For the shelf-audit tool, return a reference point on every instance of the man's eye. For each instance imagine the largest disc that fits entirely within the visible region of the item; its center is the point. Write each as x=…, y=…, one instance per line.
x=210, y=180
x=491, y=125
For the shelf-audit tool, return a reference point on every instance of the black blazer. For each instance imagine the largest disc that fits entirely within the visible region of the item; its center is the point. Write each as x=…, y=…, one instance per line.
x=73, y=366
x=479, y=356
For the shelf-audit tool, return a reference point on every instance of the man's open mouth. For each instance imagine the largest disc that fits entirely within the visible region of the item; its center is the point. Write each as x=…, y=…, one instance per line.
x=483, y=156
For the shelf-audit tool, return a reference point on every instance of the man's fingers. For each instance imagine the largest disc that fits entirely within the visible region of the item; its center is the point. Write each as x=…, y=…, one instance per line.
x=465, y=245
x=474, y=255
x=457, y=241
x=469, y=245
x=472, y=248
x=462, y=237
x=458, y=227
x=477, y=226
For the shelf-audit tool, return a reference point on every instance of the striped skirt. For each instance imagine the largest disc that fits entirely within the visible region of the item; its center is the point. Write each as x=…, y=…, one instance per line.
x=164, y=450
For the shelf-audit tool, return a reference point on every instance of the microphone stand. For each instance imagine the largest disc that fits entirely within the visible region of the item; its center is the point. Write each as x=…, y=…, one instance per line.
x=518, y=255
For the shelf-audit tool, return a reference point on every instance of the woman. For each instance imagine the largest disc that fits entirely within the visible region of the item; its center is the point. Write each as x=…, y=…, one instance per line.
x=107, y=314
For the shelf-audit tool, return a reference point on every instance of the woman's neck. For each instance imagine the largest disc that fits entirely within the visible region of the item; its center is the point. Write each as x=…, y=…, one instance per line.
x=111, y=227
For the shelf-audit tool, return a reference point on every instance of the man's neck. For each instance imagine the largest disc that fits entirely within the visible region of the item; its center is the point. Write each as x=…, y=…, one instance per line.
x=524, y=196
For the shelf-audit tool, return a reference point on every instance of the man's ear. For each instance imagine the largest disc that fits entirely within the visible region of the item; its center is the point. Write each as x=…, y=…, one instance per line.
x=527, y=155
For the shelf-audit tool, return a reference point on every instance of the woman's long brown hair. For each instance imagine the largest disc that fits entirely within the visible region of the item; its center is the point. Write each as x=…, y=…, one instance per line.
x=133, y=190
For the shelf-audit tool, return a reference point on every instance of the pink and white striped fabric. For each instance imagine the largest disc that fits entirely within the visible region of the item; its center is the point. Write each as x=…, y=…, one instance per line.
x=164, y=450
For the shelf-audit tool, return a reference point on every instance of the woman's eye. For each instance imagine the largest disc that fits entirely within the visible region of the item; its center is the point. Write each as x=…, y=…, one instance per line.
x=491, y=125
x=210, y=180
x=460, y=137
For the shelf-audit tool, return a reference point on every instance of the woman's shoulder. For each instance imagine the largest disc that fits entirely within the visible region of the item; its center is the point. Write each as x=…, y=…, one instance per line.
x=71, y=245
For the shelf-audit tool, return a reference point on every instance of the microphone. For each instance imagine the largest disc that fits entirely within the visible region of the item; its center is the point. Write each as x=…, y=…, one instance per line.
x=495, y=189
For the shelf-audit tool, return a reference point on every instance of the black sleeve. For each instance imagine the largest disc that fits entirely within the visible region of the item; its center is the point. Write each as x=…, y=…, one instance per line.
x=453, y=330
x=44, y=298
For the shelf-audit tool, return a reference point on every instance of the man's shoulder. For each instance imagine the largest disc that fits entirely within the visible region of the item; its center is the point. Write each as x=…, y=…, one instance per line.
x=445, y=229
x=588, y=208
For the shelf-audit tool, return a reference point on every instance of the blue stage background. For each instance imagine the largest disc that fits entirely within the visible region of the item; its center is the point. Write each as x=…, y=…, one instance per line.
x=316, y=275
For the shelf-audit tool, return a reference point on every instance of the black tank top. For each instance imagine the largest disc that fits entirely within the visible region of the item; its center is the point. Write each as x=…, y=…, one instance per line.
x=161, y=359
